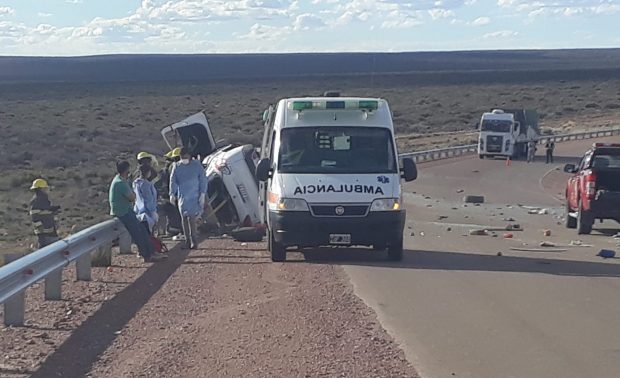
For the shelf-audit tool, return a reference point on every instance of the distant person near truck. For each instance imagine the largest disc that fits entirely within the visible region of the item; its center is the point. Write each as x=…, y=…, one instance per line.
x=122, y=198
x=188, y=188
x=531, y=151
x=42, y=214
x=549, y=147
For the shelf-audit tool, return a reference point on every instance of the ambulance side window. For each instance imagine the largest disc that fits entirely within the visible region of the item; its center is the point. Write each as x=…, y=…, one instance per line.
x=271, y=142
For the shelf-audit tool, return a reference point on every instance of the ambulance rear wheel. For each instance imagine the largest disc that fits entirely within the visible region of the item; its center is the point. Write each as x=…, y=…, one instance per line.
x=395, y=251
x=278, y=251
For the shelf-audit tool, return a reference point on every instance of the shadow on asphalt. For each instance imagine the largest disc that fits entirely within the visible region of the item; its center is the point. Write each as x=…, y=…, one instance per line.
x=76, y=356
x=540, y=159
x=433, y=260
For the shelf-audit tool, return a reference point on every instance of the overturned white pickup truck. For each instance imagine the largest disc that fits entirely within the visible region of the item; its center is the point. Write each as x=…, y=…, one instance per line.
x=230, y=169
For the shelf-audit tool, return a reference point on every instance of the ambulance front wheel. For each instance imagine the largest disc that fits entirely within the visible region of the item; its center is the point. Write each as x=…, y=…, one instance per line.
x=395, y=251
x=278, y=251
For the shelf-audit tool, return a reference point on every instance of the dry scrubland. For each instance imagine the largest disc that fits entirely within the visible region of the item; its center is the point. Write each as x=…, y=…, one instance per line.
x=71, y=134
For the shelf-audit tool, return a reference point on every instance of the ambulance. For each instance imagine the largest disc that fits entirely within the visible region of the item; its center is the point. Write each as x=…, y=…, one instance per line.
x=330, y=175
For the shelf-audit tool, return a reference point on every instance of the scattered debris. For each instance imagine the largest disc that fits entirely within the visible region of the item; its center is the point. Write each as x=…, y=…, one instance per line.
x=412, y=234
x=473, y=199
x=248, y=234
x=513, y=227
x=547, y=244
x=478, y=232
x=442, y=217
x=508, y=235
x=422, y=233
x=616, y=236
x=460, y=191
x=543, y=211
x=499, y=254
x=509, y=219
x=538, y=249
x=577, y=243
x=607, y=253
x=547, y=232
x=449, y=229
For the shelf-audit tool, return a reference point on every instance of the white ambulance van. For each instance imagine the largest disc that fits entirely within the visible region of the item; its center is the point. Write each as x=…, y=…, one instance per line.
x=330, y=175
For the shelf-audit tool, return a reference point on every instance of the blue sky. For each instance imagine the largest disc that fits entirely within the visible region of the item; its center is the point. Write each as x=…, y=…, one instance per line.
x=88, y=27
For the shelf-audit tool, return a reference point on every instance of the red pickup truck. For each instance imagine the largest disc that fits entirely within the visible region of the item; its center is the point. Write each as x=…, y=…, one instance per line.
x=593, y=192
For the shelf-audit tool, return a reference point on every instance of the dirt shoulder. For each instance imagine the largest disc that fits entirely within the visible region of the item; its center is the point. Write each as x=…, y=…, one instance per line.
x=224, y=310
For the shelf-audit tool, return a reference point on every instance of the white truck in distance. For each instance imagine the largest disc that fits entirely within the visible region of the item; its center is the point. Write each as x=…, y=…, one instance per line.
x=507, y=132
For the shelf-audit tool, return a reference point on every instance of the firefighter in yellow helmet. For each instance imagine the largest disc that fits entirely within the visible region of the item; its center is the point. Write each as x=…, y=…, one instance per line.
x=42, y=214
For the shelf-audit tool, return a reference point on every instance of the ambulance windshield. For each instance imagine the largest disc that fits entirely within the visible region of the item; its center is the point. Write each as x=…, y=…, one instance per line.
x=336, y=150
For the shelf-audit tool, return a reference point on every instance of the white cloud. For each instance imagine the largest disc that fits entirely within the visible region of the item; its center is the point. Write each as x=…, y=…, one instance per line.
x=6, y=10
x=42, y=14
x=501, y=34
x=566, y=8
x=480, y=21
x=307, y=21
x=265, y=33
x=438, y=13
x=74, y=1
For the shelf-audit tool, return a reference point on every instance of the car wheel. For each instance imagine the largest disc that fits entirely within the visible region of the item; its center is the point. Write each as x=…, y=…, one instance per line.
x=395, y=251
x=278, y=251
x=571, y=222
x=584, y=221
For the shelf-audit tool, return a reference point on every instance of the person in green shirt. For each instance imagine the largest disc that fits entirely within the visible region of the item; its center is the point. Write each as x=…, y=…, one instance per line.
x=121, y=198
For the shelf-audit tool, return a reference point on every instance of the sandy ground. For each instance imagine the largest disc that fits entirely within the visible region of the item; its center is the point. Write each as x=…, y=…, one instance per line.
x=222, y=311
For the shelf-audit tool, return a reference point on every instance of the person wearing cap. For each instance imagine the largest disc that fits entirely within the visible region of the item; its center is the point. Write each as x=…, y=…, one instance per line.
x=145, y=205
x=169, y=216
x=188, y=188
x=42, y=214
x=146, y=159
x=122, y=198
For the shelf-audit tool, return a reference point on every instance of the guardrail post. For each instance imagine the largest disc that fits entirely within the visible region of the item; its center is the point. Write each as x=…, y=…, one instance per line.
x=53, y=285
x=102, y=256
x=82, y=267
x=124, y=243
x=15, y=307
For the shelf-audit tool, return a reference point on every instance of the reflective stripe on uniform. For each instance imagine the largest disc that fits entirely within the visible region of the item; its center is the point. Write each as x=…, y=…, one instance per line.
x=41, y=212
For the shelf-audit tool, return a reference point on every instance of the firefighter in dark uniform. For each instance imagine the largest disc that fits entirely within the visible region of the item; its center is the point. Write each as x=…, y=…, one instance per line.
x=42, y=214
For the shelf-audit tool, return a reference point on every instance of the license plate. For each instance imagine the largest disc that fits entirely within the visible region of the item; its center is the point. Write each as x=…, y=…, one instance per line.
x=340, y=239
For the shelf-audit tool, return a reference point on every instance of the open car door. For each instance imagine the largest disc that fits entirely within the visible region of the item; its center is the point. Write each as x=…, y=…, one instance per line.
x=193, y=132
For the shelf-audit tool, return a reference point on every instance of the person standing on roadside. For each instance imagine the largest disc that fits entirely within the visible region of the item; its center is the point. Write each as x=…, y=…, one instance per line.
x=188, y=188
x=146, y=159
x=531, y=151
x=42, y=214
x=169, y=214
x=121, y=199
x=550, y=146
x=146, y=200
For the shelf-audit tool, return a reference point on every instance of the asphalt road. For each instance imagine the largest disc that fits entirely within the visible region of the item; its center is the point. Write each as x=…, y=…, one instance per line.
x=459, y=309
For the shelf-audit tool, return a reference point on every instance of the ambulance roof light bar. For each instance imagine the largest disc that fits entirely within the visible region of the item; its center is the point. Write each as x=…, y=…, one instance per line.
x=365, y=105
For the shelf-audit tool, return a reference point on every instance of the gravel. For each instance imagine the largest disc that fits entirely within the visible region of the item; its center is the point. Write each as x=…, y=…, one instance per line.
x=224, y=310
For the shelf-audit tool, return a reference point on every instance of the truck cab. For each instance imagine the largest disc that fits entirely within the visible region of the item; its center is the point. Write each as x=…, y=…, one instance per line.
x=497, y=134
x=330, y=175
x=593, y=190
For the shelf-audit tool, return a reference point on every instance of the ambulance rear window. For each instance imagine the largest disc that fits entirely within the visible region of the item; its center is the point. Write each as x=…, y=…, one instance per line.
x=336, y=150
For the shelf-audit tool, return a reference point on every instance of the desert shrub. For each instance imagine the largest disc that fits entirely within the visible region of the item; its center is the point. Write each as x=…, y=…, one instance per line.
x=592, y=106
x=612, y=106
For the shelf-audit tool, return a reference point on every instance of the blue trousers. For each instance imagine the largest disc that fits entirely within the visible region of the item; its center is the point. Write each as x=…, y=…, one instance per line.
x=138, y=233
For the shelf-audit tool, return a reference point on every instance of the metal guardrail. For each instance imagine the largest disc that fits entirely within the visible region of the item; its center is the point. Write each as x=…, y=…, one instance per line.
x=449, y=152
x=48, y=262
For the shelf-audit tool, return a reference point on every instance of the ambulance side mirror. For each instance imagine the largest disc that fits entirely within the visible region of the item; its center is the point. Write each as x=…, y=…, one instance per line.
x=263, y=170
x=409, y=171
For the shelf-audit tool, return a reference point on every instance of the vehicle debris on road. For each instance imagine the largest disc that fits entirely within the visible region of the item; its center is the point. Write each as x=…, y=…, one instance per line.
x=478, y=232
x=607, y=253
